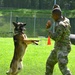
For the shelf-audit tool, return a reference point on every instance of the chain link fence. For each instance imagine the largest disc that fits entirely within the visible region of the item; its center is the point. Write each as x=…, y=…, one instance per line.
x=36, y=25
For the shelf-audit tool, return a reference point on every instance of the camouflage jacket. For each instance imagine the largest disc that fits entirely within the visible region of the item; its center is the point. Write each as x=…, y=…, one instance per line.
x=62, y=32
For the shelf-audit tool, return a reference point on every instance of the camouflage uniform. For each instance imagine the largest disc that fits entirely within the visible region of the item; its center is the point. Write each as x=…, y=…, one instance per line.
x=61, y=48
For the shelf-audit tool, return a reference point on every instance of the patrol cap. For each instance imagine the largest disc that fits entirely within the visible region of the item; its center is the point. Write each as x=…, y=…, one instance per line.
x=56, y=7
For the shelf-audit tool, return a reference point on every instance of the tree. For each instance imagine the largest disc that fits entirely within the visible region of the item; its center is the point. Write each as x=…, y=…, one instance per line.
x=37, y=4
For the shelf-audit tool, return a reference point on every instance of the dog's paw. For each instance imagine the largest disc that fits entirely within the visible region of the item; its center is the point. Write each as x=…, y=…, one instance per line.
x=8, y=73
x=34, y=42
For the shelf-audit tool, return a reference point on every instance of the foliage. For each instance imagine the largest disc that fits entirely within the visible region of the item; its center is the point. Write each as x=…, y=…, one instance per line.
x=32, y=12
x=38, y=4
x=29, y=16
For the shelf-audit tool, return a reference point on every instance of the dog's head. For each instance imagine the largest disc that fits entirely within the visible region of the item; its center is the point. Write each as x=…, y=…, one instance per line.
x=19, y=27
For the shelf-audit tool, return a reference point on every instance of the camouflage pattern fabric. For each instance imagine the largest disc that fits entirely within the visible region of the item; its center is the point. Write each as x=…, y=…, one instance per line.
x=61, y=48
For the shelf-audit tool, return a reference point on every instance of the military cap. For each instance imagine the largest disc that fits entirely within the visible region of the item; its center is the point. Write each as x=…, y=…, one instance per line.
x=56, y=7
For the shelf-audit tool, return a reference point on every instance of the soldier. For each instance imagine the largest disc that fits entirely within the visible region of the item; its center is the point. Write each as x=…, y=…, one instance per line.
x=62, y=45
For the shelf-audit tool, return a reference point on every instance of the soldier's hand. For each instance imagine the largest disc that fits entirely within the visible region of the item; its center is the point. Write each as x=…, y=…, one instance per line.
x=48, y=24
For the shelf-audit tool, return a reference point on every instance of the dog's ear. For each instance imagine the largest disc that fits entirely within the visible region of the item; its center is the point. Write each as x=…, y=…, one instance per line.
x=24, y=24
x=14, y=23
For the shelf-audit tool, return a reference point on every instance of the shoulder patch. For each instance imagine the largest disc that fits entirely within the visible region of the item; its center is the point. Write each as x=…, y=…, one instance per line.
x=65, y=22
x=61, y=23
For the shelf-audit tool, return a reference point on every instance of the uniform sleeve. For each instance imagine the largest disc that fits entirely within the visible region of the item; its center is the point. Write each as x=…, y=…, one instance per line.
x=58, y=33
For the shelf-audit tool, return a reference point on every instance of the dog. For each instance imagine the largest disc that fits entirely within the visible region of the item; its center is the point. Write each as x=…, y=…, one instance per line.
x=20, y=44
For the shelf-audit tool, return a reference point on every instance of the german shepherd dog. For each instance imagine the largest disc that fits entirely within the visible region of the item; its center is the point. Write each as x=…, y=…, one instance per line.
x=20, y=44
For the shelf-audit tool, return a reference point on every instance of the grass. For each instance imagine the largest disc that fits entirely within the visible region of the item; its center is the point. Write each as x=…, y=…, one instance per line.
x=34, y=59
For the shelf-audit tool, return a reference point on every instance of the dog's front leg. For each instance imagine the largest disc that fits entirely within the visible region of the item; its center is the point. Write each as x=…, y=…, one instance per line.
x=35, y=42
x=31, y=41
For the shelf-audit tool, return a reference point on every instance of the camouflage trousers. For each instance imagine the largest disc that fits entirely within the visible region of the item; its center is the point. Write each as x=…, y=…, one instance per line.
x=60, y=56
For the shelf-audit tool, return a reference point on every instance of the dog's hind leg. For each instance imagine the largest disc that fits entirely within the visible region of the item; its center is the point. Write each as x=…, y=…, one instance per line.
x=9, y=72
x=20, y=65
x=18, y=68
x=13, y=68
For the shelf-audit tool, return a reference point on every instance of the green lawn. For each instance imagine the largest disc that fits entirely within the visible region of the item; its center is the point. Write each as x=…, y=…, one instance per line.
x=34, y=59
